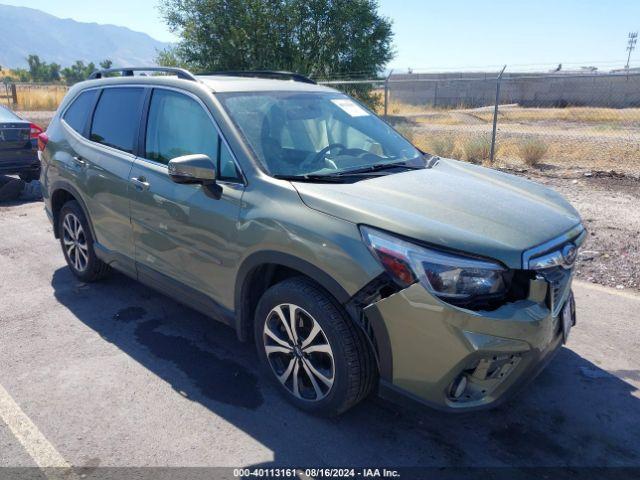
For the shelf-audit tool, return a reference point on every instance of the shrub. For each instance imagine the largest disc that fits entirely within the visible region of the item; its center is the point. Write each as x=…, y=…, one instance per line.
x=441, y=146
x=532, y=150
x=476, y=149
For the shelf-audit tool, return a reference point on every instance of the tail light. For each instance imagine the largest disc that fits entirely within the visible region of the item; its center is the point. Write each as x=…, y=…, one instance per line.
x=36, y=130
x=42, y=141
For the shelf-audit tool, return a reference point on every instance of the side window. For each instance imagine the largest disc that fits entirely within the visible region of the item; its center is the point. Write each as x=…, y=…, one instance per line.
x=117, y=116
x=76, y=115
x=227, y=169
x=178, y=125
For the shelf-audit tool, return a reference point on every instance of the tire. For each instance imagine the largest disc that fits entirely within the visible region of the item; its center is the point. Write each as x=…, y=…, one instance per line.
x=28, y=177
x=77, y=244
x=338, y=351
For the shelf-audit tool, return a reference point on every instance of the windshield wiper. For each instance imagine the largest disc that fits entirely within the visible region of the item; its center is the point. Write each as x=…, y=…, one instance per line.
x=376, y=167
x=341, y=176
x=312, y=178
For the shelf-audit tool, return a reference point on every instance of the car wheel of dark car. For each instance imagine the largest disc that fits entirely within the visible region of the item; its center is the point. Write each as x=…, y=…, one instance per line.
x=28, y=177
x=318, y=358
x=77, y=244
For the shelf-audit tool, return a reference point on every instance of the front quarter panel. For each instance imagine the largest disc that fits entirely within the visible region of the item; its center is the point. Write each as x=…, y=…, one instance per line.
x=275, y=219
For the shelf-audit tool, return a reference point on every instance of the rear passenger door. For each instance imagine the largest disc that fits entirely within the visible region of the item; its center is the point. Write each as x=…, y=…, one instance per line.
x=105, y=164
x=181, y=233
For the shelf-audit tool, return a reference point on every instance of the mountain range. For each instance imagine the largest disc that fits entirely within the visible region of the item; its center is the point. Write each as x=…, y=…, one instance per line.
x=25, y=31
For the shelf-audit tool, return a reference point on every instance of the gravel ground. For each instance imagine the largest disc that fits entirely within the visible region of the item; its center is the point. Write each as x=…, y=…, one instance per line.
x=610, y=208
x=42, y=118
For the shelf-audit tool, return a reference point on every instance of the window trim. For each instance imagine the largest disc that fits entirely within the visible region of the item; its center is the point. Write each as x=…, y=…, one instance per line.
x=85, y=128
x=142, y=134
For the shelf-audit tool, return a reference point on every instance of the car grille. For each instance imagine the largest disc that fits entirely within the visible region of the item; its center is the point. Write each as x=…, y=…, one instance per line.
x=559, y=279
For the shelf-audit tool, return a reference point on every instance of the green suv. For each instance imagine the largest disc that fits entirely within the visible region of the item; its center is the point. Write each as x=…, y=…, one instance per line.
x=292, y=213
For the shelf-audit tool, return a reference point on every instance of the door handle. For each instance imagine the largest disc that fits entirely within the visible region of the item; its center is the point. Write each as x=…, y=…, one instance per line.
x=140, y=183
x=80, y=161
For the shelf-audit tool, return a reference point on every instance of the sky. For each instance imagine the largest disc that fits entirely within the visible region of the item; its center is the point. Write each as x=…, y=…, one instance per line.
x=445, y=35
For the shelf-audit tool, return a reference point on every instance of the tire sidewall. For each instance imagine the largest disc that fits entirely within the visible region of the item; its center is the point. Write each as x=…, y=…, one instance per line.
x=279, y=294
x=73, y=207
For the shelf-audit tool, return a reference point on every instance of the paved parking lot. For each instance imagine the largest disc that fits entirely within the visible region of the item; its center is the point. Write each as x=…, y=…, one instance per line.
x=115, y=374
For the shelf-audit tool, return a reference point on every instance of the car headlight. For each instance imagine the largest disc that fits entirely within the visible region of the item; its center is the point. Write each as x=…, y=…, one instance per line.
x=453, y=278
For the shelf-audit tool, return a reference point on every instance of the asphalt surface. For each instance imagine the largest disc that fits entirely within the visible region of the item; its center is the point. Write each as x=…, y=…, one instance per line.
x=115, y=374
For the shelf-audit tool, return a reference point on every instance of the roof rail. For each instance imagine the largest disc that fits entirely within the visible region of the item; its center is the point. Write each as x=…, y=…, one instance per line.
x=128, y=72
x=272, y=74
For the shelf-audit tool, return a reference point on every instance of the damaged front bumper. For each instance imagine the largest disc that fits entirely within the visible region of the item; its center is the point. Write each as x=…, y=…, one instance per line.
x=457, y=359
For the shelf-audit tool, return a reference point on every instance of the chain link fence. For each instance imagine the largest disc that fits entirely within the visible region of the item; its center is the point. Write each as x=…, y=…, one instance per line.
x=554, y=121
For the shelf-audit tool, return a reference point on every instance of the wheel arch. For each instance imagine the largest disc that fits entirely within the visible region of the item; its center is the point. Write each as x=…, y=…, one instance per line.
x=61, y=193
x=261, y=270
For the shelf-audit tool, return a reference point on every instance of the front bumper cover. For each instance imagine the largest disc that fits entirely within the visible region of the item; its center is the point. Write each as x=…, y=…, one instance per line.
x=424, y=345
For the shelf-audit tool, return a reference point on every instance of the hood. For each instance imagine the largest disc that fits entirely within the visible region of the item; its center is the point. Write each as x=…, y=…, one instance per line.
x=454, y=205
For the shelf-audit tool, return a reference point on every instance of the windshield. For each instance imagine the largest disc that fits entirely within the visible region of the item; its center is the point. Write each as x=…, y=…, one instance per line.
x=314, y=133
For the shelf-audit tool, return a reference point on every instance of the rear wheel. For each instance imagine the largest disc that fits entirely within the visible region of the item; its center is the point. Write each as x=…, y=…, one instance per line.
x=29, y=176
x=319, y=359
x=77, y=244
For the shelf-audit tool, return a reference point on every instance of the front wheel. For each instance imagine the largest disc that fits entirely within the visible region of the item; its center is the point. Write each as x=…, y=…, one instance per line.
x=77, y=244
x=318, y=357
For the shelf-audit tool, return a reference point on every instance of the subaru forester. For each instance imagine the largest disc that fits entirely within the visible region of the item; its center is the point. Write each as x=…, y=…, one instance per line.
x=292, y=213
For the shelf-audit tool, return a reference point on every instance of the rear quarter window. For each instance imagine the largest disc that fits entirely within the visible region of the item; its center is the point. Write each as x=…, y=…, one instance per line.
x=117, y=117
x=76, y=115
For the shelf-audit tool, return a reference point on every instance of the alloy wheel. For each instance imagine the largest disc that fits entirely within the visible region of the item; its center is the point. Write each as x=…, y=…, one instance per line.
x=75, y=242
x=299, y=352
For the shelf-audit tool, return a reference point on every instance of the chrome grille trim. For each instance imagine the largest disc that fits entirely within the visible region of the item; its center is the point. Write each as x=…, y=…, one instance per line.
x=576, y=234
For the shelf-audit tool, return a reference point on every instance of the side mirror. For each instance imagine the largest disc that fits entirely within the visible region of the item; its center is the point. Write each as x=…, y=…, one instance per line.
x=192, y=169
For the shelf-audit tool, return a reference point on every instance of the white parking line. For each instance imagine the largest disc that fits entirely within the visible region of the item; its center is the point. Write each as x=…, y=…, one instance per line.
x=37, y=446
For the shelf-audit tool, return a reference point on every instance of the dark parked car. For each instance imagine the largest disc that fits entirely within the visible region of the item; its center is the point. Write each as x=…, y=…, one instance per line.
x=18, y=146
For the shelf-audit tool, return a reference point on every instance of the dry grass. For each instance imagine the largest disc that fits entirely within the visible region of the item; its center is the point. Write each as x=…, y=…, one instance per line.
x=456, y=115
x=532, y=150
x=40, y=97
x=476, y=149
x=514, y=150
x=572, y=114
x=442, y=146
x=576, y=153
x=396, y=107
x=560, y=139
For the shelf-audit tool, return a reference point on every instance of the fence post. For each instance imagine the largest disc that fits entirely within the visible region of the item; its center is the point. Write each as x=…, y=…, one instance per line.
x=435, y=94
x=386, y=93
x=14, y=95
x=495, y=116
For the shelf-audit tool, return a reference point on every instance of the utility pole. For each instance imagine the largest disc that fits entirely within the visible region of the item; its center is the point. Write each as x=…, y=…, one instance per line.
x=631, y=45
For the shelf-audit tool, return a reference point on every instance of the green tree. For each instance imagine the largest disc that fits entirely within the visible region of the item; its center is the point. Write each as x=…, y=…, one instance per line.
x=319, y=38
x=77, y=72
x=40, y=71
x=22, y=74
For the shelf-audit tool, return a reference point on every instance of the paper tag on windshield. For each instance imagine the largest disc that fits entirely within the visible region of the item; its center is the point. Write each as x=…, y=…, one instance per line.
x=351, y=107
